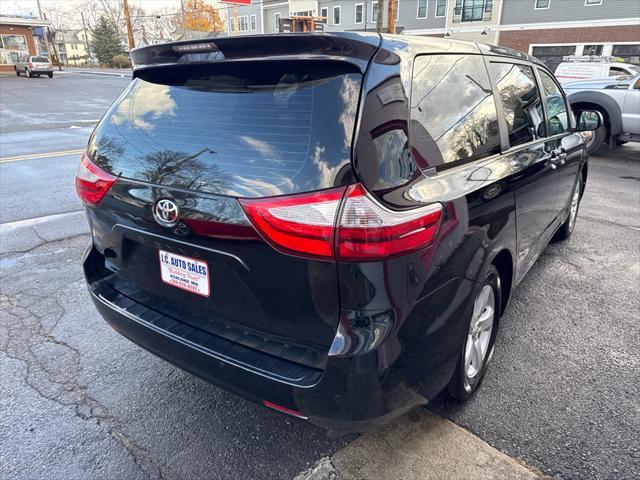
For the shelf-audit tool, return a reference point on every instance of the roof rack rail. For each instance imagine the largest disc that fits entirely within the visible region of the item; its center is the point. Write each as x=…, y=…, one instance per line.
x=592, y=58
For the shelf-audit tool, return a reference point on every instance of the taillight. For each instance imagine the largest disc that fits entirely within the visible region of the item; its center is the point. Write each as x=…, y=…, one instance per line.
x=342, y=224
x=92, y=183
x=367, y=230
x=298, y=224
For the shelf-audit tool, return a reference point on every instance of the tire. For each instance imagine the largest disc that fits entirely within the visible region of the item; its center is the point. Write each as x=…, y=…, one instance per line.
x=50, y=75
x=567, y=228
x=598, y=140
x=479, y=339
x=28, y=72
x=17, y=72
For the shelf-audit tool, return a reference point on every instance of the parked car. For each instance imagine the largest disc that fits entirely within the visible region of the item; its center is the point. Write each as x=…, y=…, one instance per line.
x=586, y=68
x=33, y=66
x=618, y=100
x=331, y=225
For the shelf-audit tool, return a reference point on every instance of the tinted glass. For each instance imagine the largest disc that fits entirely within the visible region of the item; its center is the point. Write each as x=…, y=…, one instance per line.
x=40, y=59
x=521, y=102
x=242, y=130
x=558, y=121
x=453, y=112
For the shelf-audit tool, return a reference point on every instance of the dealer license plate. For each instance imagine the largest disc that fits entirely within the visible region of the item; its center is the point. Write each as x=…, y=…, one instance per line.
x=185, y=273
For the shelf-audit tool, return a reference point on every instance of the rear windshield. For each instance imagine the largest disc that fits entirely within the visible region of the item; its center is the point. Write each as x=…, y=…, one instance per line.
x=40, y=59
x=241, y=130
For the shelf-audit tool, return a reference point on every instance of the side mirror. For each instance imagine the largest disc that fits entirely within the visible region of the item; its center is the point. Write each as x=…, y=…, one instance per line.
x=589, y=120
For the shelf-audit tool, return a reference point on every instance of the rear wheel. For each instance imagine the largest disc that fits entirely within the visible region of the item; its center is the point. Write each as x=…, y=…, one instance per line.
x=477, y=349
x=567, y=227
x=28, y=72
x=50, y=74
x=17, y=72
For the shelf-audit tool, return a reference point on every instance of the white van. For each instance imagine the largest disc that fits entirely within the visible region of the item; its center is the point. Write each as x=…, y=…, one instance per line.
x=585, y=68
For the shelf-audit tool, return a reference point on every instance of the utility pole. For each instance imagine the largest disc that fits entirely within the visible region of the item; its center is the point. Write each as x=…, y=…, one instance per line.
x=235, y=18
x=86, y=38
x=127, y=19
x=379, y=15
x=391, y=16
x=46, y=36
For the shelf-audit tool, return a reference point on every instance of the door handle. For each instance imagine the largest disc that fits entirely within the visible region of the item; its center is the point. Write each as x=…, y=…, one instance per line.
x=558, y=157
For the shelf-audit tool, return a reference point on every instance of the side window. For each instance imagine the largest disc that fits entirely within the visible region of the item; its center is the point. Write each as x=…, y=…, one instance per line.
x=521, y=102
x=617, y=71
x=453, y=112
x=558, y=121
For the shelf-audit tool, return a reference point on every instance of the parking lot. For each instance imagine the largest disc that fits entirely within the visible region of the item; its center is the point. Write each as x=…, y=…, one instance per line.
x=80, y=401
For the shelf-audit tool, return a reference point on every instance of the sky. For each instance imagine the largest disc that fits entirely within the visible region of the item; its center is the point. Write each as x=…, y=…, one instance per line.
x=21, y=7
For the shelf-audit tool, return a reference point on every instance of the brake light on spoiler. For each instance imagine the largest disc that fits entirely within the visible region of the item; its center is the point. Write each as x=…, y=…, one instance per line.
x=343, y=223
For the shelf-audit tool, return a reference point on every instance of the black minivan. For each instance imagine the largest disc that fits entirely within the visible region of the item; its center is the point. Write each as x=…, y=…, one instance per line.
x=328, y=224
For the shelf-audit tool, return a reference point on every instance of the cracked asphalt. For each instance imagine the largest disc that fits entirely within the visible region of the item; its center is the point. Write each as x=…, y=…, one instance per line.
x=79, y=401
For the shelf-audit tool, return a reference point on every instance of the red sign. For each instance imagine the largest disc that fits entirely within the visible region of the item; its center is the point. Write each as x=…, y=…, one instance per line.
x=239, y=2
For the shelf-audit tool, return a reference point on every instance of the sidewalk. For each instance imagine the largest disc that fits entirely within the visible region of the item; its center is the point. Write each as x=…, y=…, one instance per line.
x=419, y=446
x=117, y=72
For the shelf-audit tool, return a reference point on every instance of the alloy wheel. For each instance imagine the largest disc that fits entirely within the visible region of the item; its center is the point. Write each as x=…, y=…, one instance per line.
x=479, y=335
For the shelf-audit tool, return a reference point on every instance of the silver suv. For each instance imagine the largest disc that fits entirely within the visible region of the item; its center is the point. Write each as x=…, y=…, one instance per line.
x=618, y=99
x=33, y=66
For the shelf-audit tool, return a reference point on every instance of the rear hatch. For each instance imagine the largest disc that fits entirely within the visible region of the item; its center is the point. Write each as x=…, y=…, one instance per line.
x=203, y=135
x=40, y=63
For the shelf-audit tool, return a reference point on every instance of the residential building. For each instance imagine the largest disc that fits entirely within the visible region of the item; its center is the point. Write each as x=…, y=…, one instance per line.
x=548, y=29
x=72, y=47
x=20, y=35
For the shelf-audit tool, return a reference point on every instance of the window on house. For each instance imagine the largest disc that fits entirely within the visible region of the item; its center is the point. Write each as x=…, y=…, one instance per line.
x=243, y=23
x=472, y=10
x=441, y=8
x=542, y=4
x=458, y=8
x=337, y=11
x=359, y=14
x=592, y=2
x=629, y=53
x=521, y=102
x=397, y=9
x=324, y=12
x=253, y=23
x=592, y=50
x=374, y=11
x=232, y=25
x=488, y=6
x=276, y=21
x=422, y=8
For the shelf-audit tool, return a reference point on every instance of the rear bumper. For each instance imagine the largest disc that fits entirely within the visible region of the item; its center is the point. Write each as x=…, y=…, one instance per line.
x=351, y=394
x=35, y=70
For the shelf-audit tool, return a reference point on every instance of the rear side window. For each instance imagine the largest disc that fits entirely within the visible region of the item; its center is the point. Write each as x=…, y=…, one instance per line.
x=453, y=112
x=40, y=59
x=521, y=102
x=244, y=130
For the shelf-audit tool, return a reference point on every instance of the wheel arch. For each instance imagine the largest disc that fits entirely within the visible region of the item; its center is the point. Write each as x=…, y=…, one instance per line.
x=601, y=102
x=503, y=262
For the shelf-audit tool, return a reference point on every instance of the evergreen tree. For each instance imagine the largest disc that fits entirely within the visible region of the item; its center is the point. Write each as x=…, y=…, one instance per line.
x=106, y=42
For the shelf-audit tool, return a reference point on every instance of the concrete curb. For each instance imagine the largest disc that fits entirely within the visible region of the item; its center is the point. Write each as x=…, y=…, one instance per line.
x=420, y=446
x=99, y=72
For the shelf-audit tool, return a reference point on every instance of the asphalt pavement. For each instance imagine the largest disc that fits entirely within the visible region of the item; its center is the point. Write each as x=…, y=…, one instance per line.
x=80, y=401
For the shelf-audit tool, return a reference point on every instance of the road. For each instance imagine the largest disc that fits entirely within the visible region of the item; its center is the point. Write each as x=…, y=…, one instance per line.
x=80, y=401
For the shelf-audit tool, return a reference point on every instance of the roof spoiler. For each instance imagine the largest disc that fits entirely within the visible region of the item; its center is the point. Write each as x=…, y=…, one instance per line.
x=355, y=48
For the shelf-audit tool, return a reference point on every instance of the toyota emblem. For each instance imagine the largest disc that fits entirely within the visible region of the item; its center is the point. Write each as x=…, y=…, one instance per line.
x=166, y=212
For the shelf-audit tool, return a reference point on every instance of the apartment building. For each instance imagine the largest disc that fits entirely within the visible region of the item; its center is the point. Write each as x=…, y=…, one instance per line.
x=548, y=29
